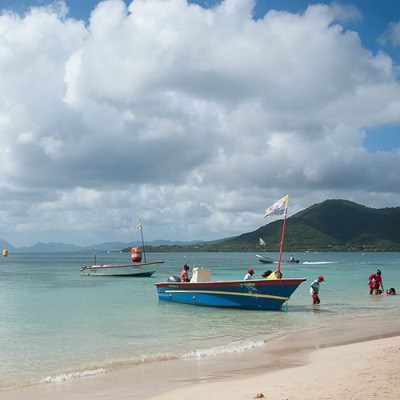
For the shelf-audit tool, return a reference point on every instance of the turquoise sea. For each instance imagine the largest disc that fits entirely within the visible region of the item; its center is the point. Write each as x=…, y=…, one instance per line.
x=56, y=325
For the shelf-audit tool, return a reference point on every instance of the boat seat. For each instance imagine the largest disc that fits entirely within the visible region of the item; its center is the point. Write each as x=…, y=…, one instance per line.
x=201, y=275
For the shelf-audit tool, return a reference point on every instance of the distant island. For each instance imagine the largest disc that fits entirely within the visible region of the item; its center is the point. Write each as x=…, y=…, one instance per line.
x=333, y=225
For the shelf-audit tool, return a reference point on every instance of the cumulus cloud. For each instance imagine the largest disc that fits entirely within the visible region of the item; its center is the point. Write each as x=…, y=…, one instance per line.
x=392, y=34
x=192, y=119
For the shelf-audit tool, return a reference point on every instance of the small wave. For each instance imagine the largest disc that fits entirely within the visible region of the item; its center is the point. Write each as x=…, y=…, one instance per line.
x=318, y=262
x=231, y=348
x=67, y=377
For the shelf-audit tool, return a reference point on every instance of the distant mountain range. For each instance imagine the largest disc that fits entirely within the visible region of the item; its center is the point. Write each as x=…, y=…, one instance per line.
x=333, y=225
x=55, y=247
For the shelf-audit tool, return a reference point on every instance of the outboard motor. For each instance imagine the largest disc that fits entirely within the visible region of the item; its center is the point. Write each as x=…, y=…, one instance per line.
x=174, y=278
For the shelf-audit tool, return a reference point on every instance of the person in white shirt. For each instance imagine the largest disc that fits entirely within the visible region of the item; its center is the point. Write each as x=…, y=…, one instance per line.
x=249, y=275
x=314, y=289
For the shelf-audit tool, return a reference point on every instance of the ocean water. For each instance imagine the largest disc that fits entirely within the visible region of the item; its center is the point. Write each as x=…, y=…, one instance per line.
x=56, y=325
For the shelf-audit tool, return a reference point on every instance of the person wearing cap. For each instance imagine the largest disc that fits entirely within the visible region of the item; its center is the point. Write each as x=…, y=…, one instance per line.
x=314, y=289
x=184, y=274
x=375, y=281
x=249, y=275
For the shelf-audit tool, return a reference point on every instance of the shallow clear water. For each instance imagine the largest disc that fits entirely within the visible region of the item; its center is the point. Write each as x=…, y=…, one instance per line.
x=56, y=324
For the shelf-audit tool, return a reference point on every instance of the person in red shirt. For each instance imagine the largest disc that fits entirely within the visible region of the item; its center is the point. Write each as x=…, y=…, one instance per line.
x=375, y=281
x=184, y=274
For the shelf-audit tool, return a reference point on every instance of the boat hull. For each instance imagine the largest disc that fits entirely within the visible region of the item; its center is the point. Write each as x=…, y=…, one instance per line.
x=134, y=270
x=264, y=260
x=253, y=295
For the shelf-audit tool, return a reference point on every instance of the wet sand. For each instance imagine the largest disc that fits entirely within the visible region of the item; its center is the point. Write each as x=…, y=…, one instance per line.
x=349, y=372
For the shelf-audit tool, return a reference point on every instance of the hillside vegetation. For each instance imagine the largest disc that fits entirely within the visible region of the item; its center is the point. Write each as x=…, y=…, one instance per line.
x=333, y=225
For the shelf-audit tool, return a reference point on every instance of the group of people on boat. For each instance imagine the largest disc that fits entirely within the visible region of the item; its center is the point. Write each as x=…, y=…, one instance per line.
x=314, y=288
x=267, y=274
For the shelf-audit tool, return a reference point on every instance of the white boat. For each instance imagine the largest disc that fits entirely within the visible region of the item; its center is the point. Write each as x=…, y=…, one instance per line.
x=137, y=269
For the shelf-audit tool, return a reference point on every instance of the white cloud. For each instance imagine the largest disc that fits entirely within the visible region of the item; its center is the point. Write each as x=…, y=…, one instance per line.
x=192, y=119
x=392, y=34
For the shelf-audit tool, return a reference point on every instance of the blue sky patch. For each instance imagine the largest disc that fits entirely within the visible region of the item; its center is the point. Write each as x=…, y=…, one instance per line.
x=382, y=138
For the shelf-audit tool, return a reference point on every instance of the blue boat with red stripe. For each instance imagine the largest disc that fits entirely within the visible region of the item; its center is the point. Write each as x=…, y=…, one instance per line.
x=259, y=294
x=262, y=294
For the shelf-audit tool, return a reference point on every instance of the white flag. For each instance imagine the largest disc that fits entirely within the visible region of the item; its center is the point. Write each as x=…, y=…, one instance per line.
x=278, y=208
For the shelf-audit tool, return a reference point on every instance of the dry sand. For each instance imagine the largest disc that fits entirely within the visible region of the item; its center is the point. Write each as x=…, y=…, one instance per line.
x=350, y=372
x=356, y=360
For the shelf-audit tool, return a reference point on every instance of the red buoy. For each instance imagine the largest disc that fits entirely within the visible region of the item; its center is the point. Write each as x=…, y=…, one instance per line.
x=136, y=254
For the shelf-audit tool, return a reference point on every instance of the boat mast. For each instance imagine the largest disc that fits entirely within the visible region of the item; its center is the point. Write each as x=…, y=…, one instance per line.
x=141, y=234
x=281, y=248
x=279, y=208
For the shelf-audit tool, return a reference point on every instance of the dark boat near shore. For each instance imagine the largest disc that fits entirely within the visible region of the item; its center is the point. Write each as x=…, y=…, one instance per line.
x=264, y=260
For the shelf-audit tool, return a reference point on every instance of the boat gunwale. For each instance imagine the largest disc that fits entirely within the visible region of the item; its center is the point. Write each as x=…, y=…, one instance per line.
x=108, y=266
x=255, y=282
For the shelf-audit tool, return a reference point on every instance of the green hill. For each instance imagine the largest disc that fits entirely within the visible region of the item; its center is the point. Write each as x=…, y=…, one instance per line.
x=333, y=225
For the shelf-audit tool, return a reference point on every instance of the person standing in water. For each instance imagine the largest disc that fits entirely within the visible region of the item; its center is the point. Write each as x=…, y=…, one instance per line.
x=314, y=289
x=375, y=281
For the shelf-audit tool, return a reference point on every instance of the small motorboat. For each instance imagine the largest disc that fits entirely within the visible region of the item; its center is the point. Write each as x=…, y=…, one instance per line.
x=264, y=260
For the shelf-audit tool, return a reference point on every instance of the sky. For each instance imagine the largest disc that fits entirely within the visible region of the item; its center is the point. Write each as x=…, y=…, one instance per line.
x=193, y=117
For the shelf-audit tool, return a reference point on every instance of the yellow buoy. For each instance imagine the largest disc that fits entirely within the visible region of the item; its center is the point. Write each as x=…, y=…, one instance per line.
x=5, y=252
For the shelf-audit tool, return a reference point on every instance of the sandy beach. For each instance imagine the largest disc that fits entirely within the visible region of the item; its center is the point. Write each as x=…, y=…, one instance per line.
x=356, y=360
x=348, y=372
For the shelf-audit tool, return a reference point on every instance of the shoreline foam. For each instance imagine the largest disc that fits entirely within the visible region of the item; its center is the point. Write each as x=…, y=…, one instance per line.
x=354, y=371
x=162, y=378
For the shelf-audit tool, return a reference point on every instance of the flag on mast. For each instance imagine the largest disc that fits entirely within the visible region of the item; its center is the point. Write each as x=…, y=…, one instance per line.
x=140, y=228
x=278, y=208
